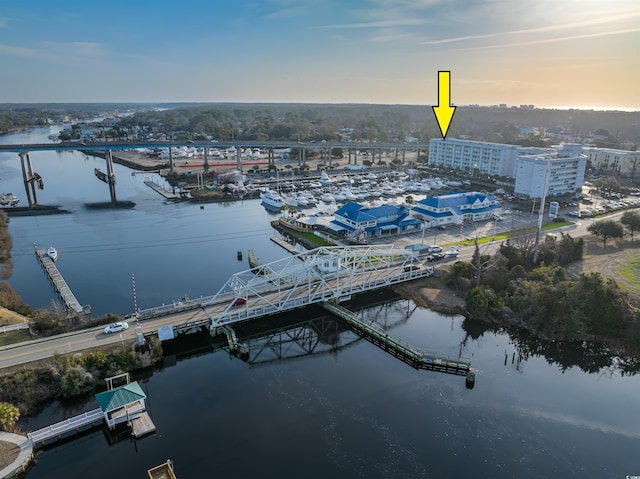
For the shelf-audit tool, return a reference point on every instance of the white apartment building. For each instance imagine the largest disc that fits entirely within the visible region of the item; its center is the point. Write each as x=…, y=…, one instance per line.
x=623, y=162
x=493, y=159
x=565, y=167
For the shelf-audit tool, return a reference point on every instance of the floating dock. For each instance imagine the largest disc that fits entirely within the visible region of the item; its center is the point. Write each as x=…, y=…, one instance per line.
x=401, y=350
x=60, y=285
x=163, y=471
x=159, y=189
x=142, y=425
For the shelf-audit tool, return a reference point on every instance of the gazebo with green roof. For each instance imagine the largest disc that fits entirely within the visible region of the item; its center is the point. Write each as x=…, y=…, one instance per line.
x=122, y=404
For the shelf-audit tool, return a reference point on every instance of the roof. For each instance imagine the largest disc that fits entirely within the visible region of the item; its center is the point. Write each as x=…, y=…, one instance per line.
x=120, y=397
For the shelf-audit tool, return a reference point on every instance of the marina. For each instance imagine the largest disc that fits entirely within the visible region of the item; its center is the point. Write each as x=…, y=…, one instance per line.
x=346, y=412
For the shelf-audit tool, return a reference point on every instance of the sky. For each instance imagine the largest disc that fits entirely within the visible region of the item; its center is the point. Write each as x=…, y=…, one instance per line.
x=549, y=53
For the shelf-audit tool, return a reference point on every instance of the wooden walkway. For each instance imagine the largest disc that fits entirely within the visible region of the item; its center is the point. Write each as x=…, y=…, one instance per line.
x=159, y=189
x=401, y=350
x=66, y=428
x=288, y=246
x=58, y=282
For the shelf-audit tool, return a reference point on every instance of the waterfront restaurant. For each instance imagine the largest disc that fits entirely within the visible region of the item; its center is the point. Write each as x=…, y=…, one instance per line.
x=353, y=219
x=456, y=208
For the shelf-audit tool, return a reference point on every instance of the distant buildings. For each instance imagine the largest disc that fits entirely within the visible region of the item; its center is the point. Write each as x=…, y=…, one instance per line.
x=622, y=162
x=456, y=208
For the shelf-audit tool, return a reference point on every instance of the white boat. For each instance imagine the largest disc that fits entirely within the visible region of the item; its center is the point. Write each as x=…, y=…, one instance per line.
x=52, y=253
x=272, y=200
x=325, y=180
x=9, y=199
x=302, y=201
x=327, y=198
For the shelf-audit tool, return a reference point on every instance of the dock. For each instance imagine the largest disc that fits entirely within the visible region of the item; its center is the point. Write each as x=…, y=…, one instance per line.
x=159, y=189
x=66, y=428
x=287, y=246
x=163, y=471
x=401, y=350
x=142, y=425
x=60, y=285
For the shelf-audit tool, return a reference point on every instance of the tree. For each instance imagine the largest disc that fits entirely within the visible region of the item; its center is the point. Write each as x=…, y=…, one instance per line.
x=9, y=415
x=606, y=229
x=631, y=219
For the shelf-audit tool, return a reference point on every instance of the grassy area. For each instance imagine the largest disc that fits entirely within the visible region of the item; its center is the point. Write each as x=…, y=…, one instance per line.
x=631, y=271
x=311, y=238
x=508, y=234
x=13, y=337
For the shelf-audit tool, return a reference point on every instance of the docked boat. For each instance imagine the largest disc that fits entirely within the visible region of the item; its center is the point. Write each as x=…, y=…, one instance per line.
x=272, y=200
x=52, y=253
x=9, y=199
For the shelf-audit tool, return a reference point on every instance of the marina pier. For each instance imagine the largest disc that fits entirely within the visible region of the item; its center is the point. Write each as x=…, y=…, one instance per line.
x=61, y=287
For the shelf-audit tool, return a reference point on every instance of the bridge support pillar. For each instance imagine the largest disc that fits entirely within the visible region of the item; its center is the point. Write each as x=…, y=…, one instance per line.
x=170, y=160
x=111, y=177
x=206, y=159
x=30, y=178
x=239, y=159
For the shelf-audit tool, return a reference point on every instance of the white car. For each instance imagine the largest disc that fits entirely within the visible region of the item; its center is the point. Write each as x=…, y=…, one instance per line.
x=435, y=249
x=116, y=327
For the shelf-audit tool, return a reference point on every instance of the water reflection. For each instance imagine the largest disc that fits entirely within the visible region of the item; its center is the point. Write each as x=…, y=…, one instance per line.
x=590, y=357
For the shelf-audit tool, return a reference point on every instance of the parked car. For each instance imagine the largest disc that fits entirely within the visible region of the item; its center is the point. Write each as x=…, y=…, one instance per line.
x=441, y=227
x=435, y=249
x=412, y=267
x=116, y=327
x=239, y=301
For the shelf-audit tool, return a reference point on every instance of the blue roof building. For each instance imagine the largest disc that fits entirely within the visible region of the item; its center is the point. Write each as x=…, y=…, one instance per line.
x=456, y=208
x=357, y=221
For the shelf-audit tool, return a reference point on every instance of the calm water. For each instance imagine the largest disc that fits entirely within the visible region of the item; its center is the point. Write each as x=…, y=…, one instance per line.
x=356, y=412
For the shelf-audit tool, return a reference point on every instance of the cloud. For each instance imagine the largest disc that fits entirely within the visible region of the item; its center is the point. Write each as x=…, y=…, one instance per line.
x=18, y=51
x=401, y=22
x=556, y=39
x=4, y=23
x=68, y=52
x=600, y=21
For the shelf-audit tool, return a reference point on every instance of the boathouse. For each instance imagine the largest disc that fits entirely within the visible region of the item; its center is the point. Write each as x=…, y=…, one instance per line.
x=122, y=404
x=456, y=208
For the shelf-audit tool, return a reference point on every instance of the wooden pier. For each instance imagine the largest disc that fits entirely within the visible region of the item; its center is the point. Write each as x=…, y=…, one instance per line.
x=60, y=285
x=282, y=243
x=66, y=428
x=401, y=350
x=159, y=189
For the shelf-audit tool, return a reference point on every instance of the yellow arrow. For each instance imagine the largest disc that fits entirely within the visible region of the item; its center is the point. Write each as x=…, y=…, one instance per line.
x=444, y=111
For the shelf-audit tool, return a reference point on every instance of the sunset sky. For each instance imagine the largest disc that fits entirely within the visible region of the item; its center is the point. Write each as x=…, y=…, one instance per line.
x=550, y=53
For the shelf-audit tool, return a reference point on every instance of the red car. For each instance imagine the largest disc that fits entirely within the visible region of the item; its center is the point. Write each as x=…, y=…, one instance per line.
x=239, y=301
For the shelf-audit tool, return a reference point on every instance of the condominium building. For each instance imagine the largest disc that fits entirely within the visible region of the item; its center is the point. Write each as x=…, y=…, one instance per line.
x=561, y=170
x=493, y=159
x=622, y=162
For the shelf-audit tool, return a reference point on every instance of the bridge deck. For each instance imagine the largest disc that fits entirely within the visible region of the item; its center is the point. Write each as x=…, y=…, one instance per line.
x=67, y=427
x=60, y=285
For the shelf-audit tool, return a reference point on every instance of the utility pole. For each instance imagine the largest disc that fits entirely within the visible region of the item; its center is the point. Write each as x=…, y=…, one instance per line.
x=541, y=212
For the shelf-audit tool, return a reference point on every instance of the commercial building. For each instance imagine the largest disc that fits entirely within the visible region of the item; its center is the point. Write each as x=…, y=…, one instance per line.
x=358, y=222
x=561, y=170
x=609, y=160
x=456, y=208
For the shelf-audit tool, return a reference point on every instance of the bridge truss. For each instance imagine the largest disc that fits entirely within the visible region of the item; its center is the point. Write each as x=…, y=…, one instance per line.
x=323, y=274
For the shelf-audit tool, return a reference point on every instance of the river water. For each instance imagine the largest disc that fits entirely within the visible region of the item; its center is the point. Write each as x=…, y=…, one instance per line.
x=345, y=412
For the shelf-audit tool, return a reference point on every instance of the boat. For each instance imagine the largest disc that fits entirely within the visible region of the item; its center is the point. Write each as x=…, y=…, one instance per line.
x=162, y=471
x=52, y=253
x=327, y=198
x=9, y=199
x=272, y=200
